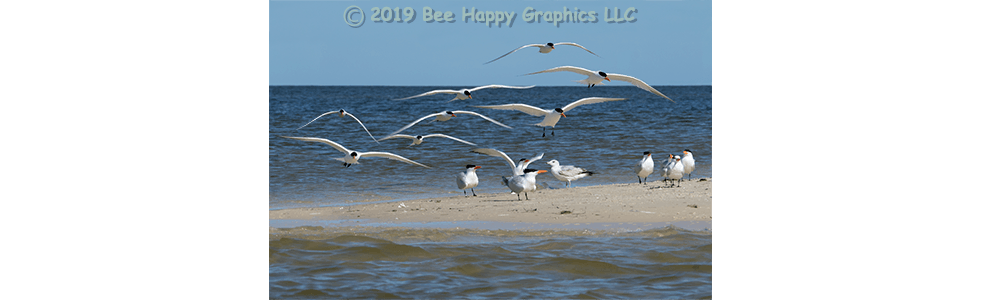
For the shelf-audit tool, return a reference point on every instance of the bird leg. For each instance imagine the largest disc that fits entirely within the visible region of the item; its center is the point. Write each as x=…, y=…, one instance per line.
x=520, y=196
x=639, y=179
x=465, y=193
x=472, y=192
x=526, y=197
x=543, y=132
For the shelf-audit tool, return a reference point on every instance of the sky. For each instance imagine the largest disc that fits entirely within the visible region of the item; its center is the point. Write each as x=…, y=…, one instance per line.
x=310, y=43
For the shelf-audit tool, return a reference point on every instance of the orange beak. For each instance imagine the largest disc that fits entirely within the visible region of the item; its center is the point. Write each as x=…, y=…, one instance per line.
x=564, y=115
x=608, y=79
x=453, y=115
x=341, y=115
x=541, y=171
x=469, y=97
x=477, y=167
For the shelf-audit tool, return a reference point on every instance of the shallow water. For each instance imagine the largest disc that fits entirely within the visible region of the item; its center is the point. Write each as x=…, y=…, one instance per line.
x=606, y=138
x=433, y=263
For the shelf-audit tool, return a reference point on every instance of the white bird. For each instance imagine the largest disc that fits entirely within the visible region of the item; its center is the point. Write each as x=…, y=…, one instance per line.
x=419, y=138
x=342, y=114
x=548, y=47
x=445, y=116
x=351, y=157
x=516, y=169
x=666, y=165
x=644, y=167
x=524, y=183
x=551, y=116
x=688, y=162
x=675, y=170
x=567, y=173
x=597, y=77
x=468, y=179
x=464, y=94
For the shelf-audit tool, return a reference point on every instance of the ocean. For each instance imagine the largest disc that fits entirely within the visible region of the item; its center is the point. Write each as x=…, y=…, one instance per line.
x=479, y=261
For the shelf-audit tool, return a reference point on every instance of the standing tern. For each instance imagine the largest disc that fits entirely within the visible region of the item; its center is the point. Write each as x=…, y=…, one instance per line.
x=351, y=157
x=445, y=116
x=688, y=162
x=666, y=165
x=524, y=183
x=551, y=116
x=567, y=173
x=342, y=114
x=548, y=47
x=468, y=179
x=419, y=138
x=464, y=94
x=675, y=171
x=598, y=77
x=644, y=167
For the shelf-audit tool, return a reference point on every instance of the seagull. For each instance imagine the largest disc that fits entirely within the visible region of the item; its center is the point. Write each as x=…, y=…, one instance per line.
x=419, y=138
x=644, y=167
x=567, y=173
x=597, y=77
x=551, y=116
x=465, y=94
x=548, y=47
x=688, y=162
x=341, y=113
x=675, y=170
x=524, y=183
x=468, y=179
x=445, y=116
x=351, y=157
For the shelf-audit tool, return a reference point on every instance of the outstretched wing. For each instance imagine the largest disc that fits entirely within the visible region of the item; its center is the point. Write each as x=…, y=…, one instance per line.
x=414, y=123
x=576, y=70
x=480, y=115
x=516, y=49
x=575, y=44
x=638, y=83
x=392, y=156
x=449, y=137
x=498, y=86
x=525, y=108
x=589, y=100
x=318, y=117
x=433, y=92
x=363, y=126
x=493, y=152
x=397, y=136
x=326, y=141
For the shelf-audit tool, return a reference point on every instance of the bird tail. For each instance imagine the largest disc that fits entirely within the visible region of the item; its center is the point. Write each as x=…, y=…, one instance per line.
x=504, y=181
x=588, y=173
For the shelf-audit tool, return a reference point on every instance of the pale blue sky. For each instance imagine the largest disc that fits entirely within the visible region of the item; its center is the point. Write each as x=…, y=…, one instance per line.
x=670, y=43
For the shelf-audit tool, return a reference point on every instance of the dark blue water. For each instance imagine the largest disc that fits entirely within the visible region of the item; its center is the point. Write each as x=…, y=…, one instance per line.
x=606, y=138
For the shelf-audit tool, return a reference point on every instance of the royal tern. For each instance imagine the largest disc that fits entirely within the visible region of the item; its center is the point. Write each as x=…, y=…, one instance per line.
x=445, y=116
x=597, y=77
x=675, y=171
x=567, y=173
x=548, y=47
x=464, y=94
x=644, y=167
x=351, y=157
x=688, y=162
x=342, y=114
x=666, y=165
x=551, y=116
x=524, y=183
x=468, y=179
x=419, y=138
x=516, y=169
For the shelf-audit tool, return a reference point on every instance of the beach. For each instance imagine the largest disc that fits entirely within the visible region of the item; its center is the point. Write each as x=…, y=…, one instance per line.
x=628, y=203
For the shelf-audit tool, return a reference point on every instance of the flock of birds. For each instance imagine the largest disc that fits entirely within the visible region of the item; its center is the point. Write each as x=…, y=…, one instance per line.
x=522, y=178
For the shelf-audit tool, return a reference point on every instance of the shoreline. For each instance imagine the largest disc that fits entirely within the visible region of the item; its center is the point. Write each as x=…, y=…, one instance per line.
x=612, y=203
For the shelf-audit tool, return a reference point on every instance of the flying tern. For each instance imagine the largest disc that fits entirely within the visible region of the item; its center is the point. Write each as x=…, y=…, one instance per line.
x=551, y=116
x=548, y=47
x=419, y=138
x=445, y=116
x=342, y=114
x=351, y=157
x=597, y=77
x=464, y=94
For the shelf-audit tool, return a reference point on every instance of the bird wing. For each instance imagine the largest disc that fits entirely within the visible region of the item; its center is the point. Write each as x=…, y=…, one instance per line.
x=449, y=137
x=532, y=160
x=326, y=141
x=392, y=156
x=570, y=171
x=397, y=136
x=516, y=49
x=575, y=44
x=589, y=100
x=576, y=70
x=318, y=117
x=525, y=108
x=482, y=116
x=414, y=122
x=498, y=86
x=433, y=92
x=493, y=152
x=363, y=126
x=638, y=83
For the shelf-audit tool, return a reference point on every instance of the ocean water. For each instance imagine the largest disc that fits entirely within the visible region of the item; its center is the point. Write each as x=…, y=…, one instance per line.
x=482, y=260
x=605, y=138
